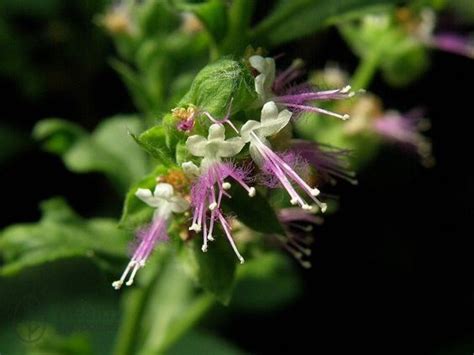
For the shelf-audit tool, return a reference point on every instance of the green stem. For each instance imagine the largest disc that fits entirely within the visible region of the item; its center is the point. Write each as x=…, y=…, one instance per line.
x=240, y=16
x=136, y=302
x=196, y=311
x=366, y=70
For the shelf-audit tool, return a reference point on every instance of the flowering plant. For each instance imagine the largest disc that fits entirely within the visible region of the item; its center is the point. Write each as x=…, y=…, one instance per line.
x=228, y=166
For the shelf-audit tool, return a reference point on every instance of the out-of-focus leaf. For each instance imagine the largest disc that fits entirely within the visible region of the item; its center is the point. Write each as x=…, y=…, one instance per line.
x=53, y=344
x=109, y=149
x=401, y=57
x=60, y=234
x=255, y=212
x=200, y=343
x=72, y=296
x=291, y=19
x=58, y=136
x=213, y=15
x=214, y=270
x=134, y=85
x=265, y=283
x=156, y=17
x=167, y=292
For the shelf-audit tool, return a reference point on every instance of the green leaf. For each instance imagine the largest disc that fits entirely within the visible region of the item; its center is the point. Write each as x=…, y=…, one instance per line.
x=292, y=19
x=108, y=150
x=60, y=234
x=214, y=270
x=213, y=14
x=255, y=212
x=218, y=83
x=58, y=136
x=134, y=85
x=52, y=343
x=154, y=142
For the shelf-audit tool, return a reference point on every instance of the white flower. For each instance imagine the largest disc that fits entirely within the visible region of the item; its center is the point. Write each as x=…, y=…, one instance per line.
x=163, y=199
x=215, y=146
x=271, y=122
x=263, y=81
x=190, y=169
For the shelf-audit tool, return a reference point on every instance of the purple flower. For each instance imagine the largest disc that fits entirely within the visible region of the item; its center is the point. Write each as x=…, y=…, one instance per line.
x=210, y=185
x=297, y=98
x=330, y=163
x=186, y=117
x=165, y=202
x=404, y=130
x=453, y=43
x=206, y=195
x=298, y=226
x=255, y=133
x=147, y=238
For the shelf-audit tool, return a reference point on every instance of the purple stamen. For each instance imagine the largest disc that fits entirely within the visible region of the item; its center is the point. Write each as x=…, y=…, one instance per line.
x=207, y=193
x=283, y=172
x=147, y=239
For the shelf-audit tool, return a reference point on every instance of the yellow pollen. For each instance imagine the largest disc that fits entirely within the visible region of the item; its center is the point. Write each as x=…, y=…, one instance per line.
x=175, y=178
x=181, y=113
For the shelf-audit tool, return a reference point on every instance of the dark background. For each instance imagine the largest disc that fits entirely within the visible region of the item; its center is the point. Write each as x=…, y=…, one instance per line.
x=392, y=271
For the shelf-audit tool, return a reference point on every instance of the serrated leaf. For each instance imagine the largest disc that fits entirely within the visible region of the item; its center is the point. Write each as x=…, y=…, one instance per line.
x=255, y=212
x=214, y=270
x=60, y=234
x=292, y=19
x=109, y=149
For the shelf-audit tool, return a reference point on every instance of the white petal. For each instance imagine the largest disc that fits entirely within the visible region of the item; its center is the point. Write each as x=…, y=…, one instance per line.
x=269, y=112
x=190, y=169
x=216, y=132
x=230, y=147
x=271, y=126
x=256, y=156
x=196, y=145
x=257, y=62
x=263, y=65
x=163, y=191
x=179, y=204
x=146, y=196
x=260, y=88
x=264, y=81
x=248, y=127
